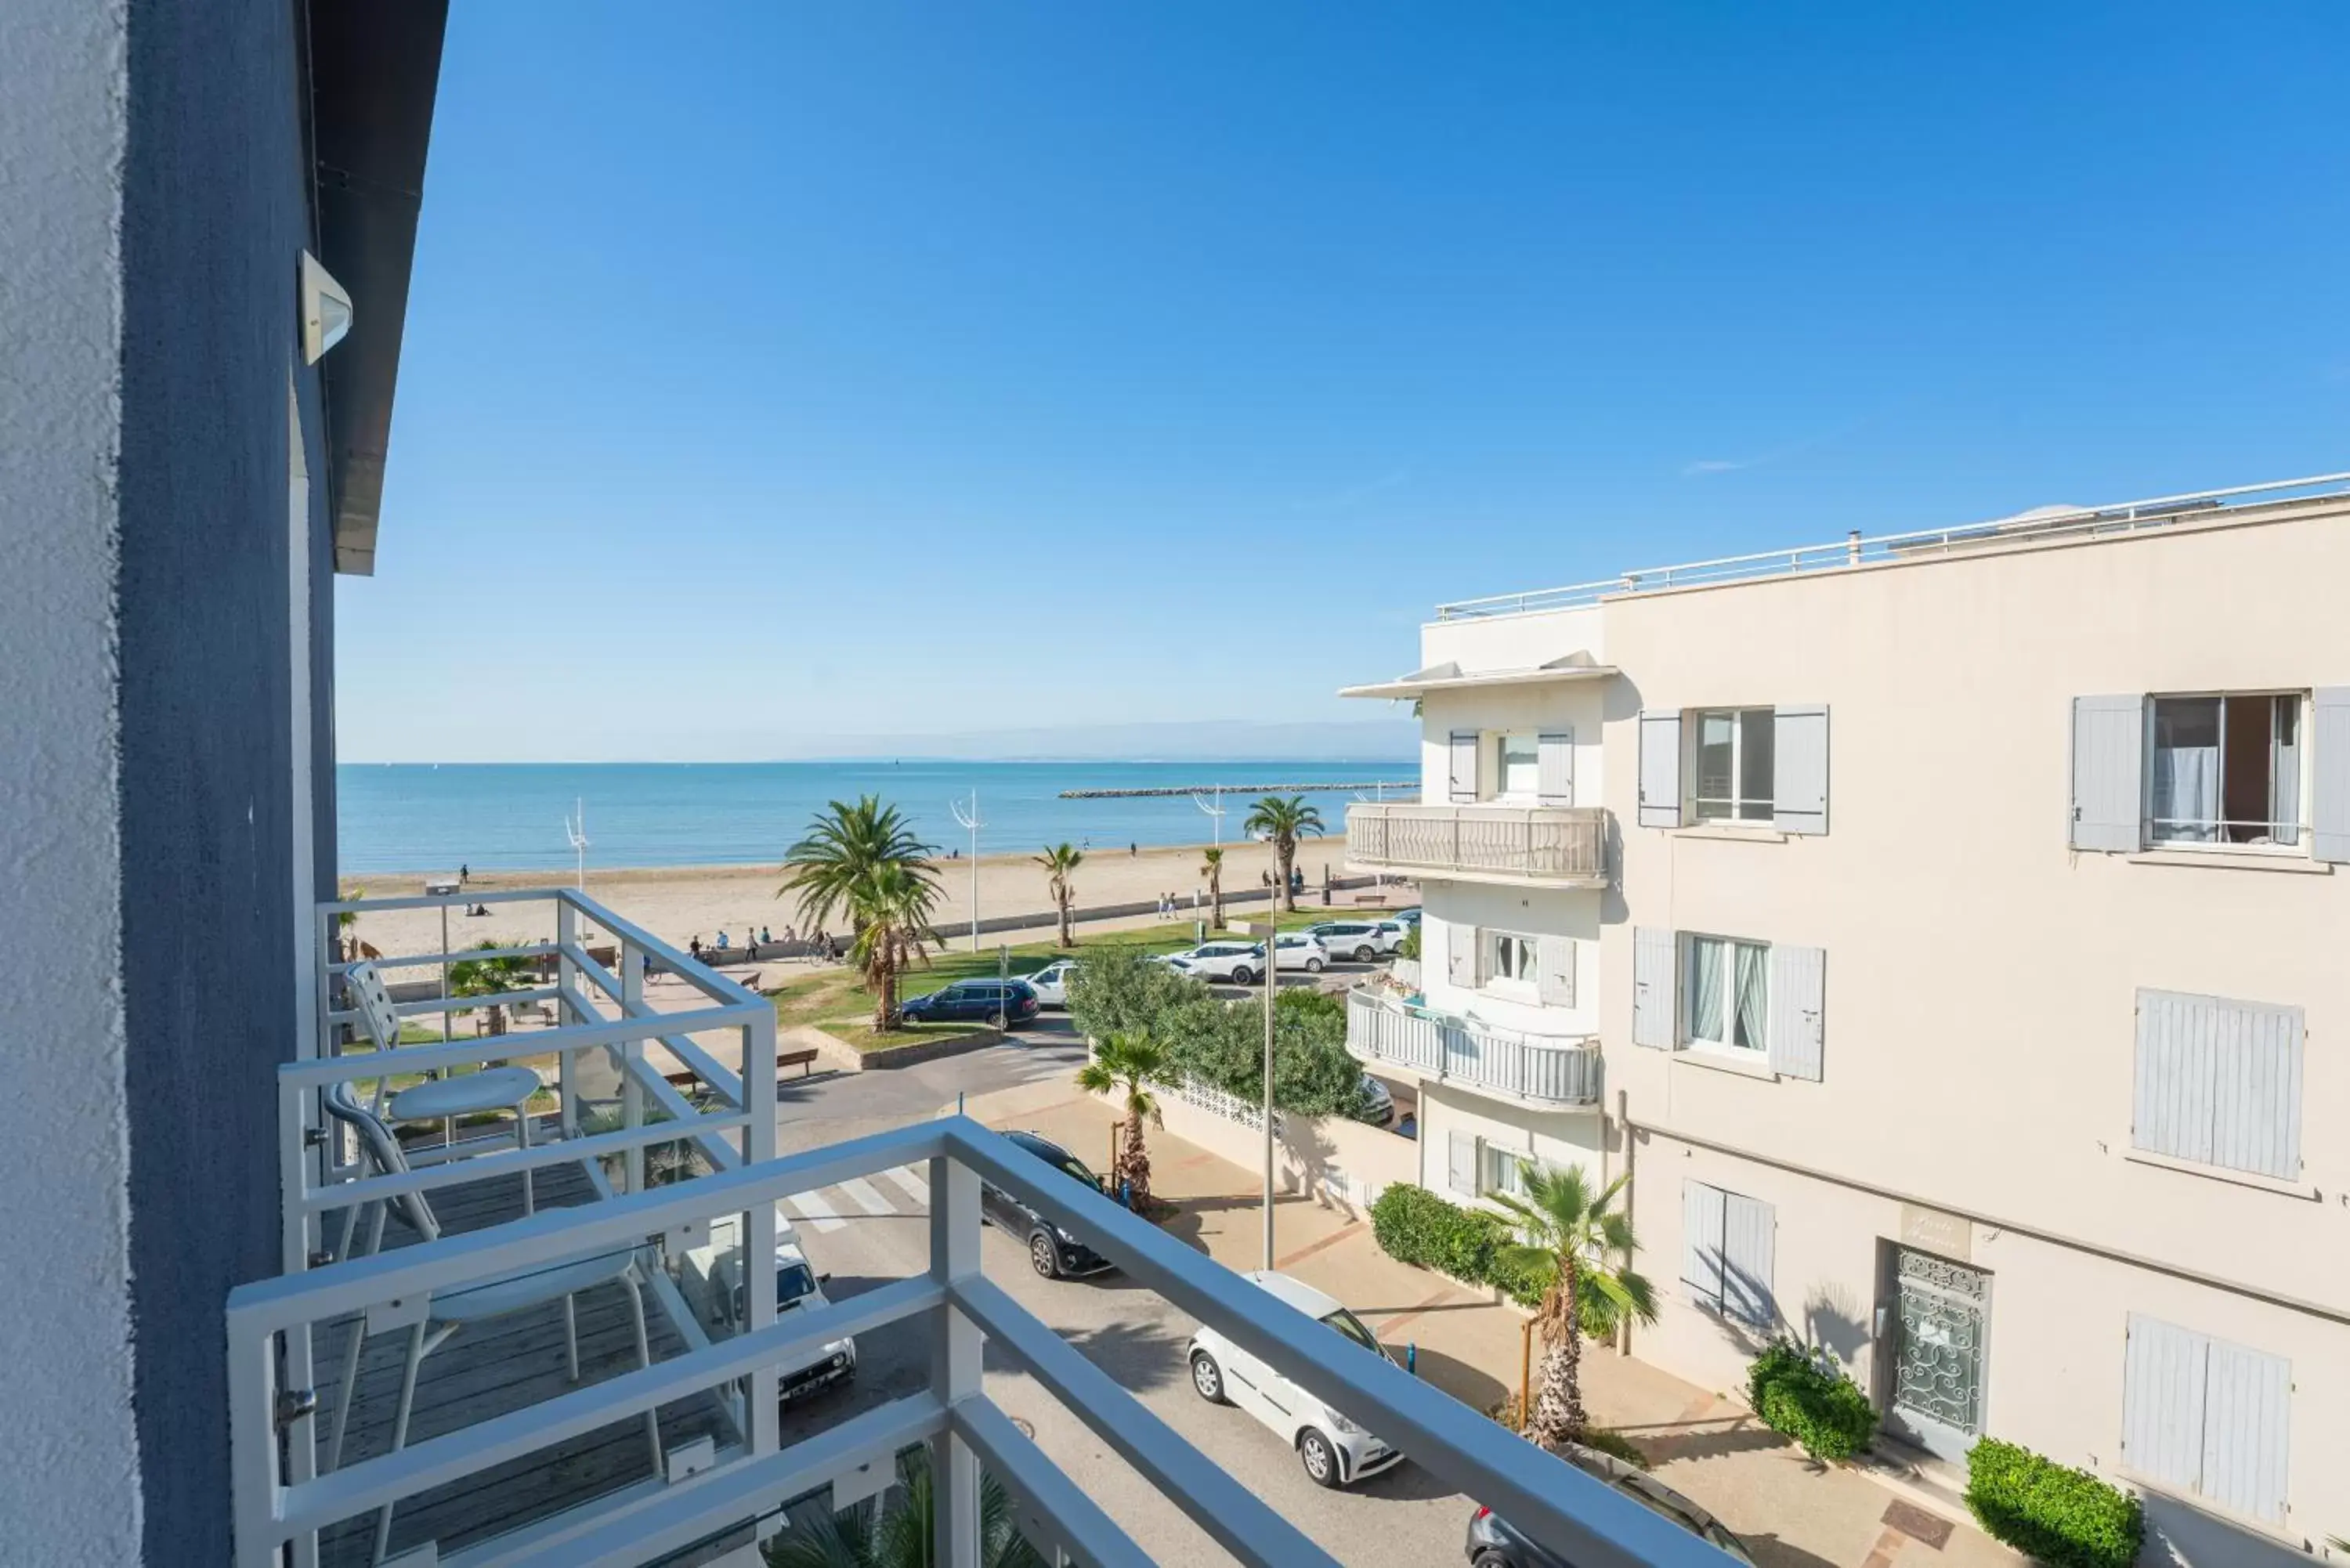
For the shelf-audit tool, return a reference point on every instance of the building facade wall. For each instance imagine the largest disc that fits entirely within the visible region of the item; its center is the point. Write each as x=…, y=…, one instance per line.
x=1982, y=976
x=215, y=215
x=71, y=1493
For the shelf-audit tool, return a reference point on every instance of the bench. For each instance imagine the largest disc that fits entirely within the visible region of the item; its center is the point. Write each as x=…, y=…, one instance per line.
x=684, y=1079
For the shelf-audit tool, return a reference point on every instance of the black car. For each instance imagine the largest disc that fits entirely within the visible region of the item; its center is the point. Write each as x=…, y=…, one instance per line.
x=1054, y=1252
x=1001, y=1001
x=1493, y=1543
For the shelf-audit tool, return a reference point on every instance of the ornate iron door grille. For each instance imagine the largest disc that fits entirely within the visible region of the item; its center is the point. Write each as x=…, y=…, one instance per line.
x=1938, y=1368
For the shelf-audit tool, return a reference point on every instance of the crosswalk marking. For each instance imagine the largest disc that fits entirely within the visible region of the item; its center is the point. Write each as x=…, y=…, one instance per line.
x=907, y=1176
x=811, y=1207
x=861, y=1192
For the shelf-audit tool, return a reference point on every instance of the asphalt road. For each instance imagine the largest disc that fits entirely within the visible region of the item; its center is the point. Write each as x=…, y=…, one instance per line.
x=867, y=1233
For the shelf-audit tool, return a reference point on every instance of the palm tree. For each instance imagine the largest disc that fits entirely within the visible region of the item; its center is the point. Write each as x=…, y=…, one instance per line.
x=864, y=862
x=1282, y=822
x=1590, y=1241
x=894, y=908
x=1213, y=870
x=346, y=923
x=1130, y=1063
x=489, y=976
x=900, y=1536
x=1059, y=860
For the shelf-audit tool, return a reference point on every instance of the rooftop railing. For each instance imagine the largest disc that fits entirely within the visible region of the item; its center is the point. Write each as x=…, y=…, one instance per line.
x=1855, y=549
x=734, y=1490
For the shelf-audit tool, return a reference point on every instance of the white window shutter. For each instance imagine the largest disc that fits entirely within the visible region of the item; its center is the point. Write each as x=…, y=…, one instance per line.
x=1654, y=1012
x=2108, y=773
x=2218, y=1082
x=1798, y=1011
x=1462, y=1152
x=1749, y=1239
x=2163, y=1376
x=1554, y=970
x=1463, y=765
x=2329, y=795
x=1701, y=1238
x=1660, y=769
x=1799, y=769
x=1461, y=944
x=2247, y=1420
x=1555, y=757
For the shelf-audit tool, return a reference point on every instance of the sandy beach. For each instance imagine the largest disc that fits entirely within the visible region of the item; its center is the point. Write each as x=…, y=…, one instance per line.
x=680, y=902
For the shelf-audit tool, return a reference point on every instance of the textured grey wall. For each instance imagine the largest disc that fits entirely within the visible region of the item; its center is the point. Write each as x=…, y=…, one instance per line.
x=214, y=217
x=70, y=1493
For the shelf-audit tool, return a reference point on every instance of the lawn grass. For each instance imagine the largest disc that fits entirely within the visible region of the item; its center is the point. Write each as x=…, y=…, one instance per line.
x=858, y=1032
x=834, y=993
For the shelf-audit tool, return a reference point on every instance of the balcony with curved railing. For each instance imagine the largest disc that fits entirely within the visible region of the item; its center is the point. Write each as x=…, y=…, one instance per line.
x=1397, y=1037
x=1549, y=846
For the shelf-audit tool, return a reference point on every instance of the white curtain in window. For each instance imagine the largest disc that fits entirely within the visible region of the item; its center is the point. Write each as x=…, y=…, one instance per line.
x=2284, y=771
x=1705, y=987
x=1753, y=994
x=2186, y=794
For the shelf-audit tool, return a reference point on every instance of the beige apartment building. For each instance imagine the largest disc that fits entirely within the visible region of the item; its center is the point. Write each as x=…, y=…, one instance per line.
x=1951, y=932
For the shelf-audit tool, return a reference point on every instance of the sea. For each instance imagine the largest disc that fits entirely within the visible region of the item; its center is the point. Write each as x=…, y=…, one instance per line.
x=512, y=816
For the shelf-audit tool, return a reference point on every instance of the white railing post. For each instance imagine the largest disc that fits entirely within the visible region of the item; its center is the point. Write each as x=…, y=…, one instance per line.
x=566, y=974
x=955, y=1363
x=632, y=1088
x=758, y=1079
x=252, y=1451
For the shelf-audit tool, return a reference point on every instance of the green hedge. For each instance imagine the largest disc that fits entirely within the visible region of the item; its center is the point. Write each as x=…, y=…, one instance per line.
x=2065, y=1518
x=1816, y=1405
x=1412, y=1225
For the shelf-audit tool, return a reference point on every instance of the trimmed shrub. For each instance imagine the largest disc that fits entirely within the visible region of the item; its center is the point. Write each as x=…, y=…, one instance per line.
x=1412, y=1225
x=2065, y=1518
x=1812, y=1401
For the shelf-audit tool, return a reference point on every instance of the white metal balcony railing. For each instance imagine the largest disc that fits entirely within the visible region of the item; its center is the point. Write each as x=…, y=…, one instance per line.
x=615, y=1111
x=1558, y=1072
x=1565, y=845
x=2085, y=522
x=731, y=1488
x=745, y=1482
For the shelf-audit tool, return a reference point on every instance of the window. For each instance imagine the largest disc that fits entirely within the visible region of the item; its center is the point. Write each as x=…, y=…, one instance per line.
x=1498, y=1170
x=1519, y=775
x=1728, y=1002
x=2226, y=770
x=2206, y=1417
x=2219, y=1083
x=1728, y=1240
x=1734, y=760
x=1511, y=959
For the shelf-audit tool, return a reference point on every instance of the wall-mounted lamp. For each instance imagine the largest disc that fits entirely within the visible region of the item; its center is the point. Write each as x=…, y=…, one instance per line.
x=326, y=310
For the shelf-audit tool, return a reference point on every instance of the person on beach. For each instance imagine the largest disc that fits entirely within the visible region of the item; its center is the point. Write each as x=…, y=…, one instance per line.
x=724, y=942
x=464, y=874
x=1133, y=850
x=694, y=947
x=765, y=935
x=790, y=936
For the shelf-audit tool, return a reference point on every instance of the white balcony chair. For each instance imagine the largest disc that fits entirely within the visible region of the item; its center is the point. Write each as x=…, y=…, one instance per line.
x=442, y=1100
x=448, y=1312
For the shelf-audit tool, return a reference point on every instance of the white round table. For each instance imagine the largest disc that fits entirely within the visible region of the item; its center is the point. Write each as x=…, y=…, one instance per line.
x=471, y=1094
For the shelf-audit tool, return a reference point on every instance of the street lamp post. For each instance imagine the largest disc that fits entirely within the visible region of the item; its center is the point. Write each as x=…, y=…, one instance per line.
x=1266, y=931
x=971, y=822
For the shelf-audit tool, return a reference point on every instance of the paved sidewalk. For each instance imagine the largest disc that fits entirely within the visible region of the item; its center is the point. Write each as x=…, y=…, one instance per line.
x=1792, y=1512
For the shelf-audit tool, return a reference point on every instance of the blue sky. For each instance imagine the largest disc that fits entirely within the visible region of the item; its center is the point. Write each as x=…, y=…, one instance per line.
x=776, y=373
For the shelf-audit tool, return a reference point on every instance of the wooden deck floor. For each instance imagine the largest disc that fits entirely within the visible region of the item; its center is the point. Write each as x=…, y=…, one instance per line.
x=494, y=1367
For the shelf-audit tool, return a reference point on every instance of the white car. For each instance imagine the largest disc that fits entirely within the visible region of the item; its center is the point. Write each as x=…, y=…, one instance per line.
x=1235, y=963
x=1361, y=941
x=711, y=1283
x=1295, y=949
x=1335, y=1450
x=1051, y=983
